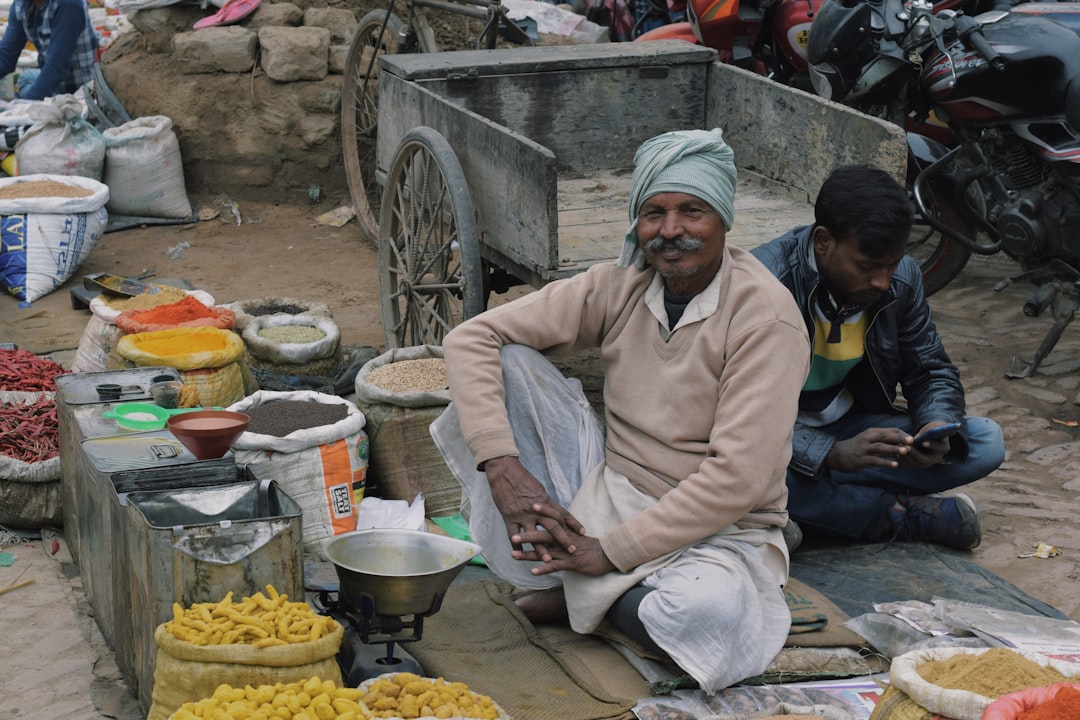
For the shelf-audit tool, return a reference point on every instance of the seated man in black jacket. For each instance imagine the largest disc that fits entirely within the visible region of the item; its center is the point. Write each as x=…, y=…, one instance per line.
x=856, y=470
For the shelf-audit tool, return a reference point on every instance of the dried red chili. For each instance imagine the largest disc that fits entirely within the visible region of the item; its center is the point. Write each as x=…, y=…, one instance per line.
x=29, y=431
x=24, y=371
x=1065, y=705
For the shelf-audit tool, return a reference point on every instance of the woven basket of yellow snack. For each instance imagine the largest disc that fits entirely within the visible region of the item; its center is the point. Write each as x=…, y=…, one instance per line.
x=407, y=696
x=260, y=640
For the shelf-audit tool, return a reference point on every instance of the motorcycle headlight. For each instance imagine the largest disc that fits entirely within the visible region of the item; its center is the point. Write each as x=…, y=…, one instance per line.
x=828, y=82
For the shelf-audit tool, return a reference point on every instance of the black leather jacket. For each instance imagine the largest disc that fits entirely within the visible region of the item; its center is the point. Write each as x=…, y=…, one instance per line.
x=903, y=349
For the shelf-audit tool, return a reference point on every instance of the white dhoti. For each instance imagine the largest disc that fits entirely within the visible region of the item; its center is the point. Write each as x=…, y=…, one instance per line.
x=718, y=608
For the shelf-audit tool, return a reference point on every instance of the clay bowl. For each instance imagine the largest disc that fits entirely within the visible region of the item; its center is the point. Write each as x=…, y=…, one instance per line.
x=208, y=434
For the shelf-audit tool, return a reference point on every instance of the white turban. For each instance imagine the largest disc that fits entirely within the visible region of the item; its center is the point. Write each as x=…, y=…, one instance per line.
x=695, y=162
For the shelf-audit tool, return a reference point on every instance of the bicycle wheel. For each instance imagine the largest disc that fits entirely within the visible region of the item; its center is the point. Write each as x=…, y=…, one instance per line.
x=430, y=273
x=377, y=33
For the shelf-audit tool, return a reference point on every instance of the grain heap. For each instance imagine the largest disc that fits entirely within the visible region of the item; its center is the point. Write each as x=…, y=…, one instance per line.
x=292, y=334
x=422, y=375
x=42, y=188
x=994, y=673
x=282, y=417
x=154, y=296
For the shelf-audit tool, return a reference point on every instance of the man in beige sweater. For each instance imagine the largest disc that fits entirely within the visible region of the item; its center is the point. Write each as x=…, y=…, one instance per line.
x=667, y=518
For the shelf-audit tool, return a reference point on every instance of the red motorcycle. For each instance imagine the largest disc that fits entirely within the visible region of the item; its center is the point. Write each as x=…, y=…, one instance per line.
x=767, y=37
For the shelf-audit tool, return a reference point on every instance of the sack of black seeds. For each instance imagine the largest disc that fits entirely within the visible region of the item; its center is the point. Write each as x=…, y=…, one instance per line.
x=315, y=447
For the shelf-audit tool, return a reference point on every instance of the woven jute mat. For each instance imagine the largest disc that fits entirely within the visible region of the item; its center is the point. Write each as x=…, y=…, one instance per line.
x=479, y=637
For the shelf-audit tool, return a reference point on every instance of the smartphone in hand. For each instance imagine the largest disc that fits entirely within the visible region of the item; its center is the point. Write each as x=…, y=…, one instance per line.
x=939, y=433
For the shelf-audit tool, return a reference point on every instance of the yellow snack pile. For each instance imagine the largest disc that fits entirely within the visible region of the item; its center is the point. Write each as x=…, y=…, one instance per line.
x=312, y=699
x=258, y=620
x=408, y=695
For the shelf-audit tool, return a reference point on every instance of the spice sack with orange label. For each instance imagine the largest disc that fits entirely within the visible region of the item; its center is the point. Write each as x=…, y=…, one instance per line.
x=315, y=446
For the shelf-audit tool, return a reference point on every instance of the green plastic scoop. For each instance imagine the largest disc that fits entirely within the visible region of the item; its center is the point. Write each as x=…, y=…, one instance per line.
x=145, y=416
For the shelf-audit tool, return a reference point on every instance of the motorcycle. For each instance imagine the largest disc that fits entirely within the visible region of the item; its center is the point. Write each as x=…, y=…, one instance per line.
x=767, y=37
x=1005, y=84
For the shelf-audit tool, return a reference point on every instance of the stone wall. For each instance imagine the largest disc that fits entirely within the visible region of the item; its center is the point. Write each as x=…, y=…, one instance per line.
x=255, y=106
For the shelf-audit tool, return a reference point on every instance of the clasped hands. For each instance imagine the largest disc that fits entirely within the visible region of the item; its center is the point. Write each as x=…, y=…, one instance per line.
x=540, y=529
x=886, y=447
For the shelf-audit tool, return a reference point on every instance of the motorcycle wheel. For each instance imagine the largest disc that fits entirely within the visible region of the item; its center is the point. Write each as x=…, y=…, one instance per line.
x=940, y=257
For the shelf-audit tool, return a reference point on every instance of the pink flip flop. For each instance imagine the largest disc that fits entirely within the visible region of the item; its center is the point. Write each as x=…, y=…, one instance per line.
x=231, y=12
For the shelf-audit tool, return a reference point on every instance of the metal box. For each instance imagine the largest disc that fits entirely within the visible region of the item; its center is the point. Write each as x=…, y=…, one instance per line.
x=78, y=413
x=196, y=545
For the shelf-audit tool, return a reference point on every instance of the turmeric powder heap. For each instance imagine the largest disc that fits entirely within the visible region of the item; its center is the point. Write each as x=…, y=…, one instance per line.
x=993, y=673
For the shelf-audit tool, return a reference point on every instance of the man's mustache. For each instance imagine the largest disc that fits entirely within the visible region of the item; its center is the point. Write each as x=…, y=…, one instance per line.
x=683, y=243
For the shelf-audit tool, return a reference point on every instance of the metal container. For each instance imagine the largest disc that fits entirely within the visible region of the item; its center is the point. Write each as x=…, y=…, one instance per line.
x=196, y=545
x=78, y=412
x=395, y=572
x=98, y=459
x=113, y=588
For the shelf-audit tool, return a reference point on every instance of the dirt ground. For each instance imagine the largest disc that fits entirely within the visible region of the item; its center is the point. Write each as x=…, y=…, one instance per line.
x=281, y=250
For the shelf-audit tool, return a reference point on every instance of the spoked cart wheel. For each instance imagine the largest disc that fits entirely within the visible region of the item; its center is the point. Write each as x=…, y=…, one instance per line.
x=430, y=272
x=378, y=32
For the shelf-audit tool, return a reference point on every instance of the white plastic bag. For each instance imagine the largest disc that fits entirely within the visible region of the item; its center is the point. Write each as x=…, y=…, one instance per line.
x=401, y=514
x=144, y=170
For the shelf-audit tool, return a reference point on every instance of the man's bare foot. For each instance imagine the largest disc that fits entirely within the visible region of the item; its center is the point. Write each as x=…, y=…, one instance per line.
x=542, y=606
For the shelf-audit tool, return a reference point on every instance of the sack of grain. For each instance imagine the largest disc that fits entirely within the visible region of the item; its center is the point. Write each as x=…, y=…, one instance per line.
x=61, y=141
x=248, y=310
x=314, y=444
x=401, y=392
x=48, y=226
x=293, y=344
x=144, y=170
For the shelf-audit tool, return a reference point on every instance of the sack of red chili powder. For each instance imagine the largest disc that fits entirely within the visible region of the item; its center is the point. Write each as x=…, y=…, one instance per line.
x=1052, y=702
x=188, y=312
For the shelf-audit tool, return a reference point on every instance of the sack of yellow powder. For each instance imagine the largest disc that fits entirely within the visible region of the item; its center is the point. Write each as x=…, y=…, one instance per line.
x=961, y=683
x=206, y=357
x=263, y=639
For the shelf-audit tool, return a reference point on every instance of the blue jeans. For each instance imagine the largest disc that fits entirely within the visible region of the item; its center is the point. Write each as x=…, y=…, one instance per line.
x=854, y=505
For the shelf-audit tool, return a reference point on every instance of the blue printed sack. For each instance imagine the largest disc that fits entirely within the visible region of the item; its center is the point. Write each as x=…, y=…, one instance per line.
x=45, y=233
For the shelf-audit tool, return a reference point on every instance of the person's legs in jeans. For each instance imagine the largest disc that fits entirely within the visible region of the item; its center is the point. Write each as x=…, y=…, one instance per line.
x=857, y=505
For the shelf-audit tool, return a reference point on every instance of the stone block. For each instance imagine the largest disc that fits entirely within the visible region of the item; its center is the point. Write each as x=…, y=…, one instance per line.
x=276, y=14
x=157, y=26
x=291, y=54
x=339, y=55
x=323, y=97
x=228, y=49
x=340, y=22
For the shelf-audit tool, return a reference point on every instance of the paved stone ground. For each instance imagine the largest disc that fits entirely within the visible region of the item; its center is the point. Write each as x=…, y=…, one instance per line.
x=1033, y=497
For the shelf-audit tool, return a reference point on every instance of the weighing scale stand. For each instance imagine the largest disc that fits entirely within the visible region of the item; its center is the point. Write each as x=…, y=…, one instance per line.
x=362, y=661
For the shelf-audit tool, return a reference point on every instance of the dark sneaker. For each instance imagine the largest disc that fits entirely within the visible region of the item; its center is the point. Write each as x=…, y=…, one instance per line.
x=792, y=535
x=949, y=520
